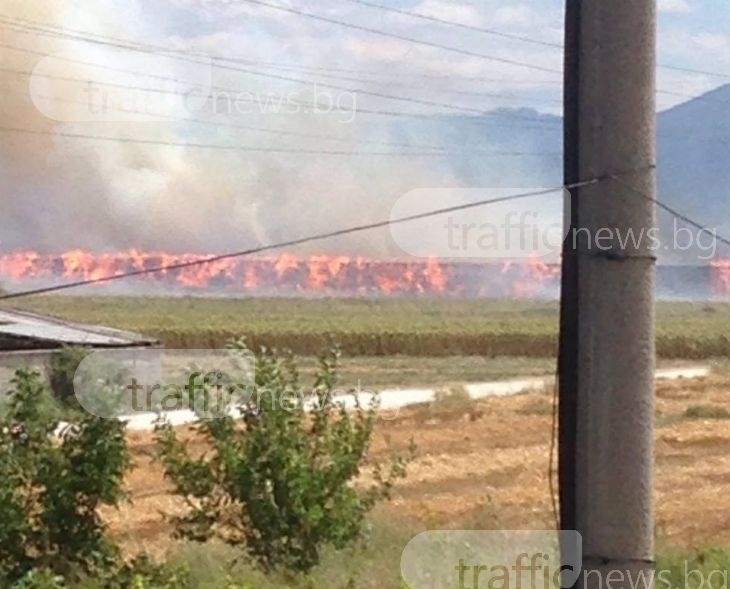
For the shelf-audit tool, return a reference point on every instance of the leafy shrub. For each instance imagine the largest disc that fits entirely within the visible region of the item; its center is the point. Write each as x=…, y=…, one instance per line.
x=41, y=579
x=102, y=382
x=140, y=573
x=143, y=573
x=61, y=370
x=51, y=489
x=281, y=483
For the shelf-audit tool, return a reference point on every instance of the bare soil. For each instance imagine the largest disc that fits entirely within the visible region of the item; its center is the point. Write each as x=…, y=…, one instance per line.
x=485, y=465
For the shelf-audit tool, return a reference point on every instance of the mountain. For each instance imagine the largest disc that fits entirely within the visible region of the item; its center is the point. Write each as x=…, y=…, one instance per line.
x=693, y=158
x=693, y=165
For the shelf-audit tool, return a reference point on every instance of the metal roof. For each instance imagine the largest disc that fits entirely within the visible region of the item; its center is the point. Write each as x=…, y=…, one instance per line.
x=30, y=330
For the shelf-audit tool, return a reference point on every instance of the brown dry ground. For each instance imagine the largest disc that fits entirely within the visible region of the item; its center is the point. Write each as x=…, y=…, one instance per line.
x=485, y=465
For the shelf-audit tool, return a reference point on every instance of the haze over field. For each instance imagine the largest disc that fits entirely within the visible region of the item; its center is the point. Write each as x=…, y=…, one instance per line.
x=63, y=193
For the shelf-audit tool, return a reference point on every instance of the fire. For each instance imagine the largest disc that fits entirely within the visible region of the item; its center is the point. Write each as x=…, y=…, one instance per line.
x=289, y=274
x=344, y=276
x=286, y=262
x=526, y=286
x=721, y=278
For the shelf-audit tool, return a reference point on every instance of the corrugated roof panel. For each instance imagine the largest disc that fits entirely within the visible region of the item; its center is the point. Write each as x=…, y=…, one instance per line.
x=29, y=326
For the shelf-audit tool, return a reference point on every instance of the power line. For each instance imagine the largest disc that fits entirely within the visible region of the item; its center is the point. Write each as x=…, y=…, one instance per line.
x=283, y=132
x=440, y=150
x=216, y=124
x=386, y=96
x=248, y=148
x=58, y=32
x=408, y=13
x=132, y=46
x=694, y=71
x=321, y=72
x=345, y=78
x=125, y=43
x=452, y=23
x=408, y=99
x=150, y=48
x=410, y=86
x=238, y=99
x=296, y=242
x=414, y=40
x=235, y=91
x=515, y=37
x=674, y=212
x=387, y=75
x=45, y=29
x=357, y=229
x=89, y=81
x=269, y=96
x=93, y=64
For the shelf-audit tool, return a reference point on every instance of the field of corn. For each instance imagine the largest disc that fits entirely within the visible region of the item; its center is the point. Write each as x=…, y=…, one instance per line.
x=378, y=327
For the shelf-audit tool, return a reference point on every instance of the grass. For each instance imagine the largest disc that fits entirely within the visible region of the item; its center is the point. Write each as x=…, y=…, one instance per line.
x=371, y=564
x=697, y=569
x=376, y=566
x=379, y=372
x=449, y=402
x=379, y=327
x=706, y=412
x=361, y=327
x=409, y=371
x=399, y=371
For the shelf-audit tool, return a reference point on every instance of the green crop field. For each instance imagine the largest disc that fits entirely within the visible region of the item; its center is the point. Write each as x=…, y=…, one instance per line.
x=378, y=327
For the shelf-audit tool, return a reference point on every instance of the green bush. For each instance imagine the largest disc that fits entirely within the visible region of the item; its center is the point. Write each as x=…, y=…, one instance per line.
x=281, y=482
x=51, y=534
x=143, y=573
x=103, y=376
x=140, y=573
x=51, y=489
x=61, y=370
x=41, y=579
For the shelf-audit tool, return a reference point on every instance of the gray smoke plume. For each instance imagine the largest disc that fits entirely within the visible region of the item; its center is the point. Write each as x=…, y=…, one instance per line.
x=60, y=193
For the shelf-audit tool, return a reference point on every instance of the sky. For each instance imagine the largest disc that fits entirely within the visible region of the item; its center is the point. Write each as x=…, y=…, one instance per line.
x=692, y=33
x=65, y=192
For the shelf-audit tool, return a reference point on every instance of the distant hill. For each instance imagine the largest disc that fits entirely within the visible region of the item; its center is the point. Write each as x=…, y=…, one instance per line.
x=694, y=157
x=693, y=153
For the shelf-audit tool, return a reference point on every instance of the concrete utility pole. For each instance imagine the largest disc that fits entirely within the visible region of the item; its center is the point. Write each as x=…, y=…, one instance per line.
x=607, y=311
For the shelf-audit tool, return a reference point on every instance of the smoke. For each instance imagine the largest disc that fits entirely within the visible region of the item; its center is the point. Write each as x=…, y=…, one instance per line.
x=17, y=154
x=60, y=193
x=52, y=192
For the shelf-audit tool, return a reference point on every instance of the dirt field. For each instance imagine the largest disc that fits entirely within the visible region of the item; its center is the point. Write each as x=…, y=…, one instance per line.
x=485, y=465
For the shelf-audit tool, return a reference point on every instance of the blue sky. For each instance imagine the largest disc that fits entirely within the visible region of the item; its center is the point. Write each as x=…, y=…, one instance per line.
x=692, y=33
x=138, y=191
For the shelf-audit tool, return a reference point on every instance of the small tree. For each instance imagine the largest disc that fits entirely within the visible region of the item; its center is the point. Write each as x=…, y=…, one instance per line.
x=51, y=489
x=61, y=370
x=281, y=482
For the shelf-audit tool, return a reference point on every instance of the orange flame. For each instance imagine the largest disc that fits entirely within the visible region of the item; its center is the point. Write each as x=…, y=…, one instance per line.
x=332, y=275
x=721, y=278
